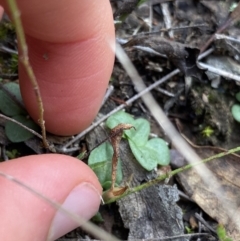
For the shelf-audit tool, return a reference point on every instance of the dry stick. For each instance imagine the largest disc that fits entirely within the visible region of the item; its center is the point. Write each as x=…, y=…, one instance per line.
x=234, y=16
x=201, y=220
x=25, y=60
x=225, y=37
x=220, y=30
x=167, y=18
x=89, y=227
x=128, y=102
x=180, y=144
x=20, y=124
x=171, y=29
x=220, y=72
x=171, y=174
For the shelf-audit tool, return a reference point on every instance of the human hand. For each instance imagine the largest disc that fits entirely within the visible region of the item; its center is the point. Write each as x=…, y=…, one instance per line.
x=70, y=50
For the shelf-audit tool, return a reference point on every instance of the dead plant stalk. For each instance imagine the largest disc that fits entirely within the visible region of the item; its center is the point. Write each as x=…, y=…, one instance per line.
x=15, y=13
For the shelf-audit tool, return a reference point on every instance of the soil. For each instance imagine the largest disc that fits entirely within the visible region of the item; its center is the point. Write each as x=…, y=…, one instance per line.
x=197, y=101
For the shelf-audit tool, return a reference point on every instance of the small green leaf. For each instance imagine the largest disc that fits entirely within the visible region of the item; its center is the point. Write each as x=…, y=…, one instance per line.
x=221, y=232
x=238, y=96
x=7, y=105
x=140, y=135
x=12, y=154
x=142, y=127
x=104, y=152
x=188, y=229
x=16, y=133
x=97, y=218
x=81, y=155
x=148, y=153
x=146, y=157
x=160, y=146
x=236, y=112
x=118, y=118
x=141, y=2
x=154, y=153
x=100, y=161
x=103, y=171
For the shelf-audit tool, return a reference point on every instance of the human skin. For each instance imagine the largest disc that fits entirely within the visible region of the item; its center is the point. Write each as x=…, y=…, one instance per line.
x=27, y=217
x=77, y=37
x=71, y=51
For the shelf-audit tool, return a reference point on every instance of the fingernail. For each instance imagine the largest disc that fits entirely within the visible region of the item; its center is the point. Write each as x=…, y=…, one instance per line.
x=83, y=200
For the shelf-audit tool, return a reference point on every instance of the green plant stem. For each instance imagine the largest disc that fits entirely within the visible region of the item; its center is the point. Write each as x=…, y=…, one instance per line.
x=170, y=174
x=25, y=60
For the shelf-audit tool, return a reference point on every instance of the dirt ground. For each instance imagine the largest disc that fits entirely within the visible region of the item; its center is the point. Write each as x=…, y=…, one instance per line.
x=159, y=37
x=201, y=39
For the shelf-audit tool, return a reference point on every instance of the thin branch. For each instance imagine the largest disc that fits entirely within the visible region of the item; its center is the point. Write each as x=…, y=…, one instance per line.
x=171, y=174
x=25, y=60
x=20, y=124
x=167, y=18
x=220, y=72
x=200, y=219
x=128, y=102
x=225, y=37
x=178, y=142
x=87, y=226
x=234, y=16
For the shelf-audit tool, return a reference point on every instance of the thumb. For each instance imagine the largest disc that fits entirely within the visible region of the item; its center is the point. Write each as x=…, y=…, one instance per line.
x=62, y=179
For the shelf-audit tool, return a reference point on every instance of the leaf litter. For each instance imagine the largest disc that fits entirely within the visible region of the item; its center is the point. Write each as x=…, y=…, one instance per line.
x=184, y=14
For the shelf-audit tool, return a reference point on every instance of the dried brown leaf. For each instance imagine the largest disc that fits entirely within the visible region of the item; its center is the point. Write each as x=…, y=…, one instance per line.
x=181, y=55
x=115, y=138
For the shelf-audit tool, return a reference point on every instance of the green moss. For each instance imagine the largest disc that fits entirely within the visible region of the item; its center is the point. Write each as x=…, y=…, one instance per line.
x=6, y=29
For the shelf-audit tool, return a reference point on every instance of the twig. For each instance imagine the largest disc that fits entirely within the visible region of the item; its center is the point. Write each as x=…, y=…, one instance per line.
x=167, y=18
x=165, y=92
x=171, y=174
x=199, y=225
x=222, y=36
x=200, y=219
x=150, y=15
x=23, y=126
x=180, y=144
x=108, y=93
x=128, y=102
x=234, y=16
x=25, y=60
x=8, y=50
x=220, y=72
x=87, y=226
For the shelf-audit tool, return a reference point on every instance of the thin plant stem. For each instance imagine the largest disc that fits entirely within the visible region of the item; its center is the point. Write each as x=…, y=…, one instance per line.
x=20, y=124
x=87, y=226
x=122, y=106
x=170, y=174
x=15, y=13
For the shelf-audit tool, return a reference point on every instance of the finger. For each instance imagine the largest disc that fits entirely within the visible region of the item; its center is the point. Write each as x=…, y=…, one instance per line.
x=62, y=179
x=70, y=49
x=1, y=13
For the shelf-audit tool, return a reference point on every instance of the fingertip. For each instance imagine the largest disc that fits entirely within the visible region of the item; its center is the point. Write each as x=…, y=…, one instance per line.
x=72, y=80
x=72, y=68
x=1, y=12
x=83, y=200
x=25, y=215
